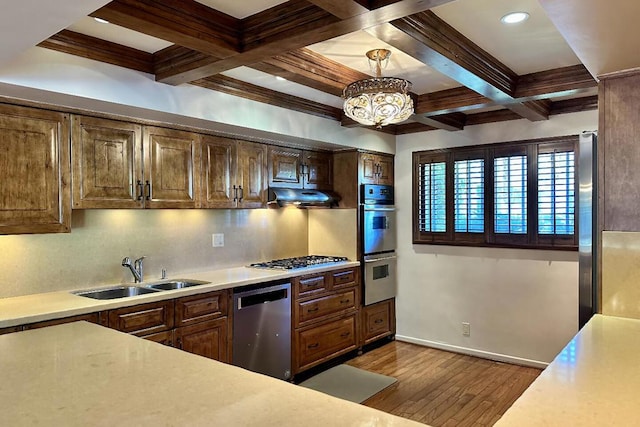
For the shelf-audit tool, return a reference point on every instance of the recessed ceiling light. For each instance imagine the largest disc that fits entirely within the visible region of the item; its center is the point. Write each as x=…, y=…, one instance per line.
x=514, y=17
x=100, y=20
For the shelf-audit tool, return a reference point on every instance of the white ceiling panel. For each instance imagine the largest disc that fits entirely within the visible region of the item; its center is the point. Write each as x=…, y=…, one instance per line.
x=528, y=47
x=268, y=81
x=350, y=51
x=241, y=8
x=26, y=23
x=120, y=35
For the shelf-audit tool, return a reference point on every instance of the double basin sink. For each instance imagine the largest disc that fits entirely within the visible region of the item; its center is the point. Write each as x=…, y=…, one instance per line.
x=132, y=291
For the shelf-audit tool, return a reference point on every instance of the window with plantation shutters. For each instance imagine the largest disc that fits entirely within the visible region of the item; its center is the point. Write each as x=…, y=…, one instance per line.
x=432, y=197
x=517, y=194
x=468, y=211
x=510, y=194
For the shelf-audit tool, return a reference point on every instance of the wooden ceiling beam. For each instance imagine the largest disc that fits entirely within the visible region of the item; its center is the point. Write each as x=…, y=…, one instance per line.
x=308, y=68
x=450, y=122
x=341, y=9
x=89, y=47
x=451, y=100
x=555, y=83
x=183, y=22
x=432, y=41
x=241, y=89
x=293, y=25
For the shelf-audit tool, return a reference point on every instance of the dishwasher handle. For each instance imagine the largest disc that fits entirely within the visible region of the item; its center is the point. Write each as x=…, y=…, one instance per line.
x=262, y=296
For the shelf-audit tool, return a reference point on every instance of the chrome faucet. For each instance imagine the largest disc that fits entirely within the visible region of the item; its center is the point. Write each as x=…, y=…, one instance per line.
x=136, y=269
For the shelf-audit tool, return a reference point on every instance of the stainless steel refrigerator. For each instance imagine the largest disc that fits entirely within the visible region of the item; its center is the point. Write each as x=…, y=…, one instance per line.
x=587, y=227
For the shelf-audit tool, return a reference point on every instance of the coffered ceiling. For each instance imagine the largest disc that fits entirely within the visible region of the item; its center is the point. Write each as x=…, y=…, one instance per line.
x=465, y=65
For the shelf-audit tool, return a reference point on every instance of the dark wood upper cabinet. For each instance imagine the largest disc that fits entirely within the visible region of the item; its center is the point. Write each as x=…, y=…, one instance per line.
x=35, y=193
x=376, y=169
x=233, y=173
x=172, y=163
x=293, y=168
x=125, y=165
x=107, y=163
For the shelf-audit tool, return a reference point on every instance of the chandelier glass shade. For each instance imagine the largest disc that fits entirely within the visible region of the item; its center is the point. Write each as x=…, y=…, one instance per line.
x=378, y=101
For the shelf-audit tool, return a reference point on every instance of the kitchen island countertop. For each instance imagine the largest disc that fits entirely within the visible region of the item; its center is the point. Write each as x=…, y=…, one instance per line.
x=54, y=305
x=80, y=374
x=594, y=381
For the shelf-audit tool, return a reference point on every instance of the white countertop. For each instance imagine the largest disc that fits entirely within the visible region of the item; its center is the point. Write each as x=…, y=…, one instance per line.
x=80, y=374
x=594, y=381
x=54, y=305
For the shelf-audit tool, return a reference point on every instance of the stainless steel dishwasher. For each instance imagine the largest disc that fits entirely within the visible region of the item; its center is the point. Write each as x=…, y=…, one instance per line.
x=262, y=328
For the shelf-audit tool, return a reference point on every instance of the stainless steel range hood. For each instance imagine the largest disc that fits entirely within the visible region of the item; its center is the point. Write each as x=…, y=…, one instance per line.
x=301, y=198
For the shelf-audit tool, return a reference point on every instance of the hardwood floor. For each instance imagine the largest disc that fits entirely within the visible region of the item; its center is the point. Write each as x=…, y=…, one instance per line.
x=444, y=389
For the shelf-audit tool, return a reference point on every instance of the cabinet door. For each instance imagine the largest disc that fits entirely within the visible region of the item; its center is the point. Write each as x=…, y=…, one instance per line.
x=385, y=170
x=218, y=177
x=107, y=163
x=318, y=170
x=208, y=339
x=172, y=162
x=251, y=174
x=378, y=321
x=35, y=196
x=284, y=167
x=368, y=168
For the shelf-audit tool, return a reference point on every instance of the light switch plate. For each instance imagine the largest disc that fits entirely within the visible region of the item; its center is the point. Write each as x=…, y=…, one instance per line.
x=217, y=240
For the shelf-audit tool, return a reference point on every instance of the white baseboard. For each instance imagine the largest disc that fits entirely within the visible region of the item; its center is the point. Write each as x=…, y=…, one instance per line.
x=473, y=352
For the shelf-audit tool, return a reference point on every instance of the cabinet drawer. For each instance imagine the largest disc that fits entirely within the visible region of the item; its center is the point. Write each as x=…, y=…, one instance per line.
x=323, y=342
x=378, y=321
x=308, y=311
x=344, y=278
x=200, y=308
x=143, y=319
x=310, y=285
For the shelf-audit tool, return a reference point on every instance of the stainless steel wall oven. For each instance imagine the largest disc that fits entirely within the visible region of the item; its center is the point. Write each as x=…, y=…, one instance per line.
x=378, y=240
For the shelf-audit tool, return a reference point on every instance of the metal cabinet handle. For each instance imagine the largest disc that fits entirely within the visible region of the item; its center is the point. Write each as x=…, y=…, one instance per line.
x=241, y=193
x=345, y=301
x=345, y=334
x=312, y=310
x=179, y=344
x=148, y=185
x=378, y=321
x=140, y=190
x=235, y=193
x=310, y=346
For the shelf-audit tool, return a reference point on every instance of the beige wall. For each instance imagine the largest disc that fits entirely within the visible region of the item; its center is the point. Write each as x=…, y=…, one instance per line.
x=621, y=274
x=522, y=304
x=178, y=240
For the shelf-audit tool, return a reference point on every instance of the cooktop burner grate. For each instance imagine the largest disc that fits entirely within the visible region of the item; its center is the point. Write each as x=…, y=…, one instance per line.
x=298, y=262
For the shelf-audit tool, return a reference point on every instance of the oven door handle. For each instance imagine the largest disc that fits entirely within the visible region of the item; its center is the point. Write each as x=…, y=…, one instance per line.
x=378, y=209
x=380, y=259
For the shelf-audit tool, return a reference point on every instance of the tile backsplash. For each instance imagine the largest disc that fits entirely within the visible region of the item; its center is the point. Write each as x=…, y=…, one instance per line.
x=178, y=240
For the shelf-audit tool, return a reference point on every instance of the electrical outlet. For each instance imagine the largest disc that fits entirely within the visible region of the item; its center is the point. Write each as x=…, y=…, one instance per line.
x=217, y=240
x=466, y=329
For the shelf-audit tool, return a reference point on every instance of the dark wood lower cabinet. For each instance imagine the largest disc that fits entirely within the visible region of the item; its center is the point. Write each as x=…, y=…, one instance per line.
x=208, y=339
x=321, y=343
x=143, y=319
x=164, y=337
x=378, y=321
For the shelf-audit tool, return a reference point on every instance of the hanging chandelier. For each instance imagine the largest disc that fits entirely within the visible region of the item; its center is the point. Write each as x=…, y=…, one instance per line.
x=378, y=101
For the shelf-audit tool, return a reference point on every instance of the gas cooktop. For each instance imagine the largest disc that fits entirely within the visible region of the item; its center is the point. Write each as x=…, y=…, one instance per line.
x=299, y=262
